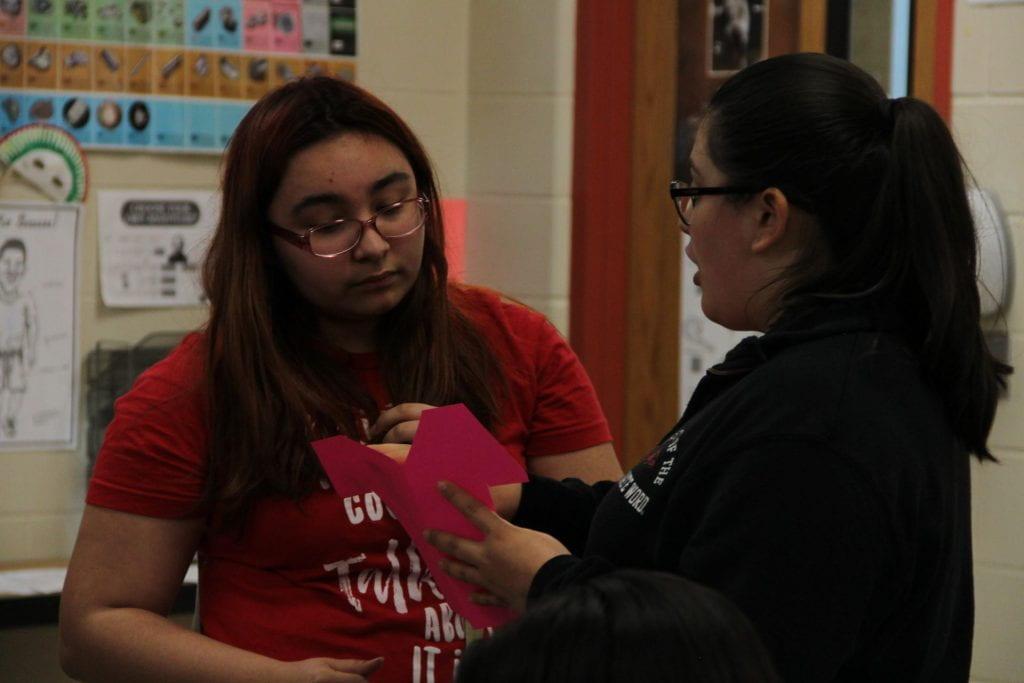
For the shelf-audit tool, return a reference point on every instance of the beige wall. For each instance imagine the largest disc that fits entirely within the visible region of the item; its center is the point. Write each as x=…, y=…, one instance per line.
x=522, y=58
x=486, y=84
x=988, y=121
x=413, y=55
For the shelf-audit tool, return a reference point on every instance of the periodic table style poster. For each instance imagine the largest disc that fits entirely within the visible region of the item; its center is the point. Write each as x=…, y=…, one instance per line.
x=161, y=74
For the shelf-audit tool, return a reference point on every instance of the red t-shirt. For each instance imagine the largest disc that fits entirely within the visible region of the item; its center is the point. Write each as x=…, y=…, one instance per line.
x=332, y=577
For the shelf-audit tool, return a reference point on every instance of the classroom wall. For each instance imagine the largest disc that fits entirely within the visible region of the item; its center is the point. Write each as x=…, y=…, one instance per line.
x=988, y=121
x=41, y=493
x=522, y=58
x=488, y=88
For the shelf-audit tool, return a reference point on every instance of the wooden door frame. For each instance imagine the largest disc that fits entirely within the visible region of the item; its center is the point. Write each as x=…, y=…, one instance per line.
x=932, y=68
x=624, y=285
x=625, y=259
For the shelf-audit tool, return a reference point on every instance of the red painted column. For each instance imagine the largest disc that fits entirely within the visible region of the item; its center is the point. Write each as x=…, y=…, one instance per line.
x=944, y=59
x=600, y=194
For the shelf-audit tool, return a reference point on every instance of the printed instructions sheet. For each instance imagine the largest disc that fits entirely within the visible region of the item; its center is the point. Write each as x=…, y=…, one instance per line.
x=152, y=244
x=704, y=343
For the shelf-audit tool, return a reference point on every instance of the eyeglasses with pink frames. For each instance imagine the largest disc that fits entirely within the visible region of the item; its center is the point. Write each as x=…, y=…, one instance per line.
x=328, y=240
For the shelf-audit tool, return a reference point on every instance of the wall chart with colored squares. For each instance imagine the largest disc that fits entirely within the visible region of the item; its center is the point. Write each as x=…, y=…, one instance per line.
x=161, y=74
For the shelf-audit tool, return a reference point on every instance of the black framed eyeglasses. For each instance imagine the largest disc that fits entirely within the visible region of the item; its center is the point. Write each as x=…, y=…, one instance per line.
x=328, y=240
x=683, y=196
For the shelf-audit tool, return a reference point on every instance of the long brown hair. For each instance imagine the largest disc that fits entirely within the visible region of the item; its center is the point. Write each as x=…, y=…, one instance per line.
x=273, y=384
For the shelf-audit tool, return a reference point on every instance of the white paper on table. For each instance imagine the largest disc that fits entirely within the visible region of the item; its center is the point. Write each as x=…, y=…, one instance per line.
x=152, y=245
x=50, y=580
x=22, y=582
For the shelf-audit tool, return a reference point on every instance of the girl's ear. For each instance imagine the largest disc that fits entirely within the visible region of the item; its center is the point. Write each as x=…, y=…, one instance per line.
x=772, y=224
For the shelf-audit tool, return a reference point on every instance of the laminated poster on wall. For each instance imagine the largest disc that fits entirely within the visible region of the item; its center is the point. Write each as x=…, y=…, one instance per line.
x=704, y=343
x=144, y=74
x=152, y=244
x=38, y=325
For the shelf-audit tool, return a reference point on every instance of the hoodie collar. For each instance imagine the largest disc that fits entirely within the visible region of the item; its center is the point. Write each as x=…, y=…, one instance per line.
x=792, y=329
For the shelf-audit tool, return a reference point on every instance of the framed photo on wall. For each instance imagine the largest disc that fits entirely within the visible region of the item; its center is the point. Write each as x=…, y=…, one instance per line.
x=737, y=34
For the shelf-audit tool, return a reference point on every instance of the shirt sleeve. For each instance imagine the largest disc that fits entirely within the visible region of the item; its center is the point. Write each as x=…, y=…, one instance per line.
x=563, y=571
x=152, y=461
x=562, y=509
x=794, y=537
x=567, y=415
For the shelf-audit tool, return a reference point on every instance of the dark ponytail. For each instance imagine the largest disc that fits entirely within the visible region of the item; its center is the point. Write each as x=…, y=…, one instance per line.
x=886, y=183
x=933, y=268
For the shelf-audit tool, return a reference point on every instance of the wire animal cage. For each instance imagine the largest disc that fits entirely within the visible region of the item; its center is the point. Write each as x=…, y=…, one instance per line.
x=110, y=370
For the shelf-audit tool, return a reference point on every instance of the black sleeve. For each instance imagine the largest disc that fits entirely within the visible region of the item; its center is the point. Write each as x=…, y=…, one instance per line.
x=562, y=509
x=794, y=536
x=566, y=570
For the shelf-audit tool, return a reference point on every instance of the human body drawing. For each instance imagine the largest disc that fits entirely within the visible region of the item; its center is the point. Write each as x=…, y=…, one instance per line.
x=19, y=333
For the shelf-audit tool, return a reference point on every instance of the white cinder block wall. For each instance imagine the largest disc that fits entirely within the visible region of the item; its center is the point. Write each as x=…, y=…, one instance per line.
x=988, y=121
x=488, y=86
x=413, y=55
x=521, y=65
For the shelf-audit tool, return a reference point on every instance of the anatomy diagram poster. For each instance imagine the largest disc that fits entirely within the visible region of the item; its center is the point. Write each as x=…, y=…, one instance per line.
x=38, y=325
x=152, y=244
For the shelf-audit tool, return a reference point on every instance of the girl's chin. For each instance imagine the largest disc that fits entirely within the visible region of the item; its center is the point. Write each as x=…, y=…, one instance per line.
x=366, y=306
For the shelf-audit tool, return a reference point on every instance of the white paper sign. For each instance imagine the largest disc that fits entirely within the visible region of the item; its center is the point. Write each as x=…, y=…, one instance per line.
x=38, y=325
x=704, y=343
x=152, y=243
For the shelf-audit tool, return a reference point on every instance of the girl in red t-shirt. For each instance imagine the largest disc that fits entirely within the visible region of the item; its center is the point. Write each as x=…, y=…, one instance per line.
x=330, y=312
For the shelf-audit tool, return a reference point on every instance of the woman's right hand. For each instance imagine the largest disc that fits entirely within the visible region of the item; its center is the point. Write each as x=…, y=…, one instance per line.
x=328, y=670
x=503, y=563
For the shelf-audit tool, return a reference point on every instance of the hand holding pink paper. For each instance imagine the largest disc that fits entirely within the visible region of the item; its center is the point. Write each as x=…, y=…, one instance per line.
x=450, y=445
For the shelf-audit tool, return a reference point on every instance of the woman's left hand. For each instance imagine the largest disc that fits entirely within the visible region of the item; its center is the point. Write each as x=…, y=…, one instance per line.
x=503, y=563
x=399, y=423
x=399, y=452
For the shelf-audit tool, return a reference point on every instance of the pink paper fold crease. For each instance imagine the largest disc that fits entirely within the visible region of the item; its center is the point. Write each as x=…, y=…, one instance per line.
x=450, y=445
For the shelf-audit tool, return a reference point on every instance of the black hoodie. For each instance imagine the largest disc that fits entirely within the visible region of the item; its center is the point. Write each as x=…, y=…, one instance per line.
x=813, y=479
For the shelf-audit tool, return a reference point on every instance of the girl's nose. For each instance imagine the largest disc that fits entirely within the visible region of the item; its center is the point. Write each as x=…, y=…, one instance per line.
x=372, y=246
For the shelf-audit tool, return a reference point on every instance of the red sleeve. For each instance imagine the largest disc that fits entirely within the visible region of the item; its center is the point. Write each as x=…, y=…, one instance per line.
x=152, y=461
x=566, y=414
x=552, y=407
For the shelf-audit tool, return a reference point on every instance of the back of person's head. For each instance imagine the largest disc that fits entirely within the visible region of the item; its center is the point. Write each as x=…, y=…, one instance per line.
x=622, y=627
x=884, y=181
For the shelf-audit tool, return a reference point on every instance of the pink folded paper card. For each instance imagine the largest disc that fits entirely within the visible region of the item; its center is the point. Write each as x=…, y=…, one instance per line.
x=450, y=445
